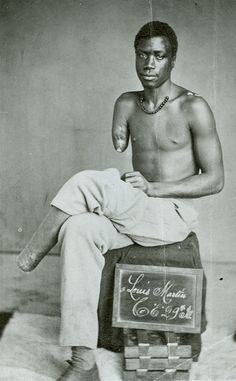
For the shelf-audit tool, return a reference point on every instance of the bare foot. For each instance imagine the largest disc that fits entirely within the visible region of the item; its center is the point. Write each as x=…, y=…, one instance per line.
x=42, y=241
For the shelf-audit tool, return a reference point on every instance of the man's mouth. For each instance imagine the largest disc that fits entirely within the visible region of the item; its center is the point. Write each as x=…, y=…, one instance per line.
x=149, y=77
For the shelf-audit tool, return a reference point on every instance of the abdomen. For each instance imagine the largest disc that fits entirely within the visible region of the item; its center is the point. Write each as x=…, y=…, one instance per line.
x=165, y=166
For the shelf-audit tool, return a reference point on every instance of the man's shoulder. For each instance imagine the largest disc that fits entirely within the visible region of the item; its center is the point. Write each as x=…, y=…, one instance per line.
x=196, y=109
x=125, y=103
x=191, y=101
x=128, y=97
x=183, y=94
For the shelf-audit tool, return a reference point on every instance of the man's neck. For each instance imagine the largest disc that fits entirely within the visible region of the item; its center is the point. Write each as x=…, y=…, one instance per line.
x=156, y=95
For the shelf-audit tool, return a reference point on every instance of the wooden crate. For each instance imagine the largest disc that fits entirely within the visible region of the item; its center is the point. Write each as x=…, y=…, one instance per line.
x=157, y=363
x=151, y=356
x=152, y=344
x=156, y=376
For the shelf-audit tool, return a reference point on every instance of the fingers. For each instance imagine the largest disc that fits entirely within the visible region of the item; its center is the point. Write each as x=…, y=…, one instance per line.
x=134, y=182
x=135, y=179
x=130, y=176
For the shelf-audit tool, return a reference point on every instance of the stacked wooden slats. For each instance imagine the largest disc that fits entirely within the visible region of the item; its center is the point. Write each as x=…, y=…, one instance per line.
x=151, y=356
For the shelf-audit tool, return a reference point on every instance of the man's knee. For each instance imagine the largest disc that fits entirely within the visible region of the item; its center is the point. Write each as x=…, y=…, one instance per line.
x=97, y=231
x=109, y=174
x=85, y=225
x=79, y=176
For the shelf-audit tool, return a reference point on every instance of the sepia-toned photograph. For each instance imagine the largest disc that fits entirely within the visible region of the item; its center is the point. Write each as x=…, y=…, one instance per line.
x=117, y=190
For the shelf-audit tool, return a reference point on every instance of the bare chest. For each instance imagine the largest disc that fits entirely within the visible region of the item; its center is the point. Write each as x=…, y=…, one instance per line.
x=162, y=131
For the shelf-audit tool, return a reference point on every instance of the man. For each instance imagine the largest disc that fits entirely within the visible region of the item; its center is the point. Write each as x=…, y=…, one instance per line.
x=176, y=157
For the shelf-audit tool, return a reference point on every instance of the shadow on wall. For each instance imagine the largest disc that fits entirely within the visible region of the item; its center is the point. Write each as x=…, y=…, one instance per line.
x=4, y=319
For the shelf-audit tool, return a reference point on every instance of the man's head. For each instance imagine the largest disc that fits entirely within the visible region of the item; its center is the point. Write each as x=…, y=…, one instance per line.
x=155, y=47
x=158, y=29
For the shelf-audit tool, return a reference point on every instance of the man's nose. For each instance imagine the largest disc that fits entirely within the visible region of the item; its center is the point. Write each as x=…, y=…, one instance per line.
x=150, y=62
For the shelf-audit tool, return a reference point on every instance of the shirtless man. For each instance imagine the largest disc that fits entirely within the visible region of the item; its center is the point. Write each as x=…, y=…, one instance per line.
x=176, y=157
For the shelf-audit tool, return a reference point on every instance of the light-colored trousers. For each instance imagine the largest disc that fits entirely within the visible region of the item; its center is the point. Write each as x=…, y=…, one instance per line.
x=106, y=213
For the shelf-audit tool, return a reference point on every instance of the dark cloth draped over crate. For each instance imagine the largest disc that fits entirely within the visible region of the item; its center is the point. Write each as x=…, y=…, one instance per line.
x=181, y=254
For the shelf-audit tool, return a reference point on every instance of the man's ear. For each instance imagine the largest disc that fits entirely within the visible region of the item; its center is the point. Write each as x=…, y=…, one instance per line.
x=173, y=62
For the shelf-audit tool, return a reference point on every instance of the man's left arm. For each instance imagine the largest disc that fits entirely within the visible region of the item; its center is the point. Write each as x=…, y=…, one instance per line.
x=208, y=156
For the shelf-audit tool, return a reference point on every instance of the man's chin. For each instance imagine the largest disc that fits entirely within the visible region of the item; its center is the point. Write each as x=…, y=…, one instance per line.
x=149, y=84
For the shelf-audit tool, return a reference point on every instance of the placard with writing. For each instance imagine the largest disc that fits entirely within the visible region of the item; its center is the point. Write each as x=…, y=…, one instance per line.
x=158, y=298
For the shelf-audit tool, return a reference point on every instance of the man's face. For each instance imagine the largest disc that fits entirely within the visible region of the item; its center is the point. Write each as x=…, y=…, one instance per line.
x=153, y=61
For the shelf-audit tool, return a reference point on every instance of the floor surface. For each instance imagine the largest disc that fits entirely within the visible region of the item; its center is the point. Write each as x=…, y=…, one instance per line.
x=30, y=320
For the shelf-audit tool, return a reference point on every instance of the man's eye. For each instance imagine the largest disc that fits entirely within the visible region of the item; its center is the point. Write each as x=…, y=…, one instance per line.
x=159, y=57
x=142, y=55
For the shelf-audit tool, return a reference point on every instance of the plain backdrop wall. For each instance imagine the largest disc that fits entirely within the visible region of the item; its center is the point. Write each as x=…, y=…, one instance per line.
x=62, y=65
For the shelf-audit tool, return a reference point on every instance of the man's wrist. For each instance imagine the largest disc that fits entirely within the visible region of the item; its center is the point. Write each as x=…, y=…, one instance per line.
x=156, y=189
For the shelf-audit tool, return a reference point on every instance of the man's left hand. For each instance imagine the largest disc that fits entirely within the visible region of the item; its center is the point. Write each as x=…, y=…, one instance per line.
x=137, y=180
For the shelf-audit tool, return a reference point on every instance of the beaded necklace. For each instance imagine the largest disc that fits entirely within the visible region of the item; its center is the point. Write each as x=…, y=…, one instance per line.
x=158, y=108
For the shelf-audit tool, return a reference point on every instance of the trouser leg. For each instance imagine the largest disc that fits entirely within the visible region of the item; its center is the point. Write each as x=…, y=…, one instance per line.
x=146, y=220
x=103, y=193
x=84, y=238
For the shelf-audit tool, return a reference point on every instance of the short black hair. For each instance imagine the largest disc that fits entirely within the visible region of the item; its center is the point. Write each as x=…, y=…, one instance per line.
x=156, y=29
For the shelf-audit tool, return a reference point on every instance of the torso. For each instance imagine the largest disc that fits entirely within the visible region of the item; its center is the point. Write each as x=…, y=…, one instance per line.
x=162, y=143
